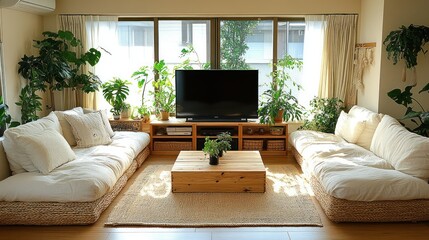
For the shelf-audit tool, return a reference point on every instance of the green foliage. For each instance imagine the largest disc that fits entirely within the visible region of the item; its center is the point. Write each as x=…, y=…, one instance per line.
x=57, y=66
x=4, y=115
x=116, y=92
x=191, y=56
x=323, y=114
x=224, y=141
x=233, y=35
x=211, y=147
x=418, y=117
x=163, y=93
x=279, y=95
x=406, y=43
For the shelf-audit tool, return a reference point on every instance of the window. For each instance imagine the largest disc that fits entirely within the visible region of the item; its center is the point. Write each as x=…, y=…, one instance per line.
x=208, y=43
x=175, y=35
x=247, y=44
x=290, y=41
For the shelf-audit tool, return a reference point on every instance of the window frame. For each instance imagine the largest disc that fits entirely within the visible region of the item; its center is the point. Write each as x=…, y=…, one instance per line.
x=214, y=33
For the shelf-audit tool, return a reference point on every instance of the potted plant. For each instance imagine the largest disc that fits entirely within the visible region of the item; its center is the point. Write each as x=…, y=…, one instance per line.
x=145, y=113
x=116, y=92
x=224, y=141
x=277, y=102
x=323, y=114
x=211, y=148
x=57, y=66
x=406, y=43
x=4, y=116
x=126, y=111
x=164, y=101
x=420, y=116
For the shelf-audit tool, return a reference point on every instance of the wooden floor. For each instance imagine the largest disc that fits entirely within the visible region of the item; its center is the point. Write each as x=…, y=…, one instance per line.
x=414, y=231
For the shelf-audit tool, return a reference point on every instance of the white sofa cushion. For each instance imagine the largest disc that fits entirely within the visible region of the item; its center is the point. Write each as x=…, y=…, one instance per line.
x=349, y=128
x=406, y=151
x=88, y=129
x=48, y=149
x=371, y=119
x=19, y=160
x=346, y=180
x=92, y=174
x=65, y=125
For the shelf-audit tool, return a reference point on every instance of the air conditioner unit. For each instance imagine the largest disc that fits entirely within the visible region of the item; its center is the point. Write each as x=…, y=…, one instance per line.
x=33, y=6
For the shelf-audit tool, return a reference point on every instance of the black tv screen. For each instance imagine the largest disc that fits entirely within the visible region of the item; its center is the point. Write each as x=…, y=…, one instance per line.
x=217, y=95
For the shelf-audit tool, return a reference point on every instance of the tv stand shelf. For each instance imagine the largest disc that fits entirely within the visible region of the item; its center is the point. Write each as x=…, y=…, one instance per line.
x=191, y=136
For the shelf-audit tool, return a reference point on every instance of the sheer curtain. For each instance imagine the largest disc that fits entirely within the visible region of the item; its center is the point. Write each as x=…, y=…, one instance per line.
x=313, y=48
x=97, y=32
x=337, y=64
x=102, y=35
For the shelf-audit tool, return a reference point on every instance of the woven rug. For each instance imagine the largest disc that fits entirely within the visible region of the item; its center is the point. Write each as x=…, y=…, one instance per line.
x=150, y=202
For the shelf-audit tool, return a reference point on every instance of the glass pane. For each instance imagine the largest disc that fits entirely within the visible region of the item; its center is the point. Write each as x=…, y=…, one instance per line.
x=191, y=35
x=132, y=48
x=247, y=44
x=291, y=41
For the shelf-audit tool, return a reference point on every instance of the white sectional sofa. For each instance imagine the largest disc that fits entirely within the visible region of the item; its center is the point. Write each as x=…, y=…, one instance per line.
x=371, y=170
x=45, y=181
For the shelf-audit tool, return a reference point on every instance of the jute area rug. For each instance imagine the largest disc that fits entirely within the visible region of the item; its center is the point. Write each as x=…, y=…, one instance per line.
x=149, y=202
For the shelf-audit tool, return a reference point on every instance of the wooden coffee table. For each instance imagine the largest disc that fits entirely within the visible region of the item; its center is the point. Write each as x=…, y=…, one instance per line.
x=238, y=171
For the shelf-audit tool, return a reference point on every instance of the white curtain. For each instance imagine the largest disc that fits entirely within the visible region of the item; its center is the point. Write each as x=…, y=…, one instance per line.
x=99, y=32
x=313, y=48
x=337, y=64
x=102, y=35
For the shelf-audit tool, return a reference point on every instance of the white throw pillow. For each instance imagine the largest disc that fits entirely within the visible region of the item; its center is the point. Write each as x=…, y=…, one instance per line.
x=349, y=128
x=105, y=118
x=67, y=129
x=19, y=161
x=48, y=150
x=88, y=129
x=405, y=151
x=371, y=119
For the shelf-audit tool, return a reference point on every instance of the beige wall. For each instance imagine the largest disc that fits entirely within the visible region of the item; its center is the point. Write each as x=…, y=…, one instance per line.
x=371, y=27
x=206, y=8
x=397, y=13
x=18, y=31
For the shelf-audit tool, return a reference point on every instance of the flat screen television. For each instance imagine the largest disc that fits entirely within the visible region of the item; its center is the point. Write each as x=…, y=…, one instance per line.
x=217, y=95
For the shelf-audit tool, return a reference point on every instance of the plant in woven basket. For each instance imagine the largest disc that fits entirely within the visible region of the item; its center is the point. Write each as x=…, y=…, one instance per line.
x=323, y=114
x=224, y=141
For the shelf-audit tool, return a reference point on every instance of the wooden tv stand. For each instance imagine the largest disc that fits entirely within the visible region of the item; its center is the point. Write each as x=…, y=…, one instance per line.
x=246, y=136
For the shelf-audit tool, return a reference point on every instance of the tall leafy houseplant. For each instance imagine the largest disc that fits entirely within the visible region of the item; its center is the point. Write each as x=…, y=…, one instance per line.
x=278, y=101
x=57, y=66
x=419, y=117
x=163, y=92
x=116, y=92
x=406, y=43
x=323, y=114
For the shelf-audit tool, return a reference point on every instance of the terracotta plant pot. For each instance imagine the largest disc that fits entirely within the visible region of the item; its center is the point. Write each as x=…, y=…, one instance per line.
x=164, y=116
x=279, y=117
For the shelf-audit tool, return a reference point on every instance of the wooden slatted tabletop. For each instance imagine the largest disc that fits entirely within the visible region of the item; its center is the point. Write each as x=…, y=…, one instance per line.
x=238, y=171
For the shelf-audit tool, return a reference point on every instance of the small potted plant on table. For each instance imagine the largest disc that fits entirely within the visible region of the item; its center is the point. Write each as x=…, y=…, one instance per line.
x=211, y=148
x=224, y=141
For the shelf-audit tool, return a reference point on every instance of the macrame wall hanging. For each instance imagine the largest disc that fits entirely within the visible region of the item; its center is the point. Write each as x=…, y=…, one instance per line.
x=363, y=57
